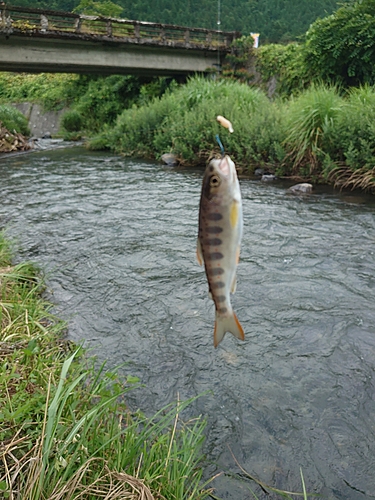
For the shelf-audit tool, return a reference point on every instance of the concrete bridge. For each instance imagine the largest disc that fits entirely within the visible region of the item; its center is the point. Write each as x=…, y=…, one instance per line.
x=37, y=40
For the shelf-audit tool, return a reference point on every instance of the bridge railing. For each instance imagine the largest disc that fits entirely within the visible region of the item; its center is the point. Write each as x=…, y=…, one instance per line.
x=34, y=22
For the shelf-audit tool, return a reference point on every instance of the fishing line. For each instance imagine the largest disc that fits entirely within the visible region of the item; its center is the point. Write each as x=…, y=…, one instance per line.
x=220, y=145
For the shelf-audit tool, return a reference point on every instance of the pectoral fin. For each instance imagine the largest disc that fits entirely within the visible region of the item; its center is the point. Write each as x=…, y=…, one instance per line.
x=238, y=255
x=199, y=253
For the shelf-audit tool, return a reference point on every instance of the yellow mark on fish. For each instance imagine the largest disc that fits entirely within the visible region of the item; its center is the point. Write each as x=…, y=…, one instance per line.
x=233, y=214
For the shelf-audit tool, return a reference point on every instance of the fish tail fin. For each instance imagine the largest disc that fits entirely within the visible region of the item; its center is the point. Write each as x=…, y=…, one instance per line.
x=225, y=324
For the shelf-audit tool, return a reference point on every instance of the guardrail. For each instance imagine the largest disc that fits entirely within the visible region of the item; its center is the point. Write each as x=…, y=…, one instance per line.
x=41, y=22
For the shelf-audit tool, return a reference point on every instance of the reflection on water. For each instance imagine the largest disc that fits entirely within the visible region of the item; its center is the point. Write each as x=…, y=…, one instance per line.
x=117, y=238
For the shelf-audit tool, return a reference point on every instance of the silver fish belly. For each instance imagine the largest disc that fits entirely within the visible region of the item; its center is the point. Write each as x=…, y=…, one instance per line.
x=219, y=239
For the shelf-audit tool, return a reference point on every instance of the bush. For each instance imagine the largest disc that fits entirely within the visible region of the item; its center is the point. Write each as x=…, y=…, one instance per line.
x=341, y=47
x=72, y=121
x=98, y=143
x=105, y=98
x=286, y=64
x=184, y=122
x=136, y=127
x=13, y=120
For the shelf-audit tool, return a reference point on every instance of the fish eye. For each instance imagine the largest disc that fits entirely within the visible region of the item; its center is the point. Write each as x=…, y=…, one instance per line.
x=214, y=181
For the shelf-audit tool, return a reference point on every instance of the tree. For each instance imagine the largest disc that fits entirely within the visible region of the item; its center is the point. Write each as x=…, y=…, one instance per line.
x=93, y=8
x=341, y=47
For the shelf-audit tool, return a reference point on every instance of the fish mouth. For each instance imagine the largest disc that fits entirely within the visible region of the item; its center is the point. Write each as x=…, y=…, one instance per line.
x=225, y=166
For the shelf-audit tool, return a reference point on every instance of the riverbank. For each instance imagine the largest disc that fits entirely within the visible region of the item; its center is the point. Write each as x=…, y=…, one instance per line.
x=27, y=126
x=323, y=135
x=66, y=427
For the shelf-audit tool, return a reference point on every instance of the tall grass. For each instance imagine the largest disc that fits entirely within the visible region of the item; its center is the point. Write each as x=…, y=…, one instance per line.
x=355, y=141
x=66, y=431
x=310, y=122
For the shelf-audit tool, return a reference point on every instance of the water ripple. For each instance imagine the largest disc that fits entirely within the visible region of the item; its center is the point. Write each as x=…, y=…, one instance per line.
x=117, y=239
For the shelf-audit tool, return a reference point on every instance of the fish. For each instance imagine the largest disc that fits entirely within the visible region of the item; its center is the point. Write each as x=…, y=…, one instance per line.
x=219, y=239
x=225, y=123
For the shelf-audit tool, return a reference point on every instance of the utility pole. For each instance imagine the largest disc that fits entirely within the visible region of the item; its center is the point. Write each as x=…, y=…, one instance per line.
x=218, y=27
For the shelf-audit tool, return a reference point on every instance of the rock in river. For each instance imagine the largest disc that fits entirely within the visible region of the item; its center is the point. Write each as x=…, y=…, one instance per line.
x=303, y=187
x=170, y=159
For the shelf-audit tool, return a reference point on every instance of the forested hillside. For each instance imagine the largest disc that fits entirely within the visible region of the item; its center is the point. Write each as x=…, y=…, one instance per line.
x=275, y=20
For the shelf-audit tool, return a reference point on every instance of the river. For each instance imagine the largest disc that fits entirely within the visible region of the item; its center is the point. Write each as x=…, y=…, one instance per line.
x=117, y=238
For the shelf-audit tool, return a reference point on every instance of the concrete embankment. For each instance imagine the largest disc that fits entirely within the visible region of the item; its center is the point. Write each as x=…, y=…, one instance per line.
x=41, y=123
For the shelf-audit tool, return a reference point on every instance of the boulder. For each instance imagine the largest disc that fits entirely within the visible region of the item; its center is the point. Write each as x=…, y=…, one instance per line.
x=259, y=171
x=268, y=178
x=170, y=159
x=303, y=187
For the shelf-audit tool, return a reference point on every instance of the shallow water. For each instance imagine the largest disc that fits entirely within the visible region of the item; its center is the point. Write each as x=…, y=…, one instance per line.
x=117, y=239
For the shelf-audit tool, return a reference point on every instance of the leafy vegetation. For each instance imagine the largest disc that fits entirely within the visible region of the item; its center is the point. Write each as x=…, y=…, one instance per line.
x=341, y=47
x=322, y=134
x=104, y=98
x=13, y=120
x=338, y=50
x=285, y=64
x=104, y=8
x=66, y=430
x=64, y=5
x=183, y=122
x=54, y=91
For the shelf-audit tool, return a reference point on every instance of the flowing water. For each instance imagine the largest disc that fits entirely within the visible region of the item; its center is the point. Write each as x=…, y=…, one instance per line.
x=117, y=240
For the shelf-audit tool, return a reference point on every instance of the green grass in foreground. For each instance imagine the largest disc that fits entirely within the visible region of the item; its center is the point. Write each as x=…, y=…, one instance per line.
x=65, y=429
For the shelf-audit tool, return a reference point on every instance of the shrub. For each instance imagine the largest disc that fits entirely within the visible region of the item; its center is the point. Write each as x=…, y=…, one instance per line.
x=105, y=98
x=184, y=122
x=286, y=64
x=136, y=127
x=341, y=47
x=13, y=120
x=72, y=121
